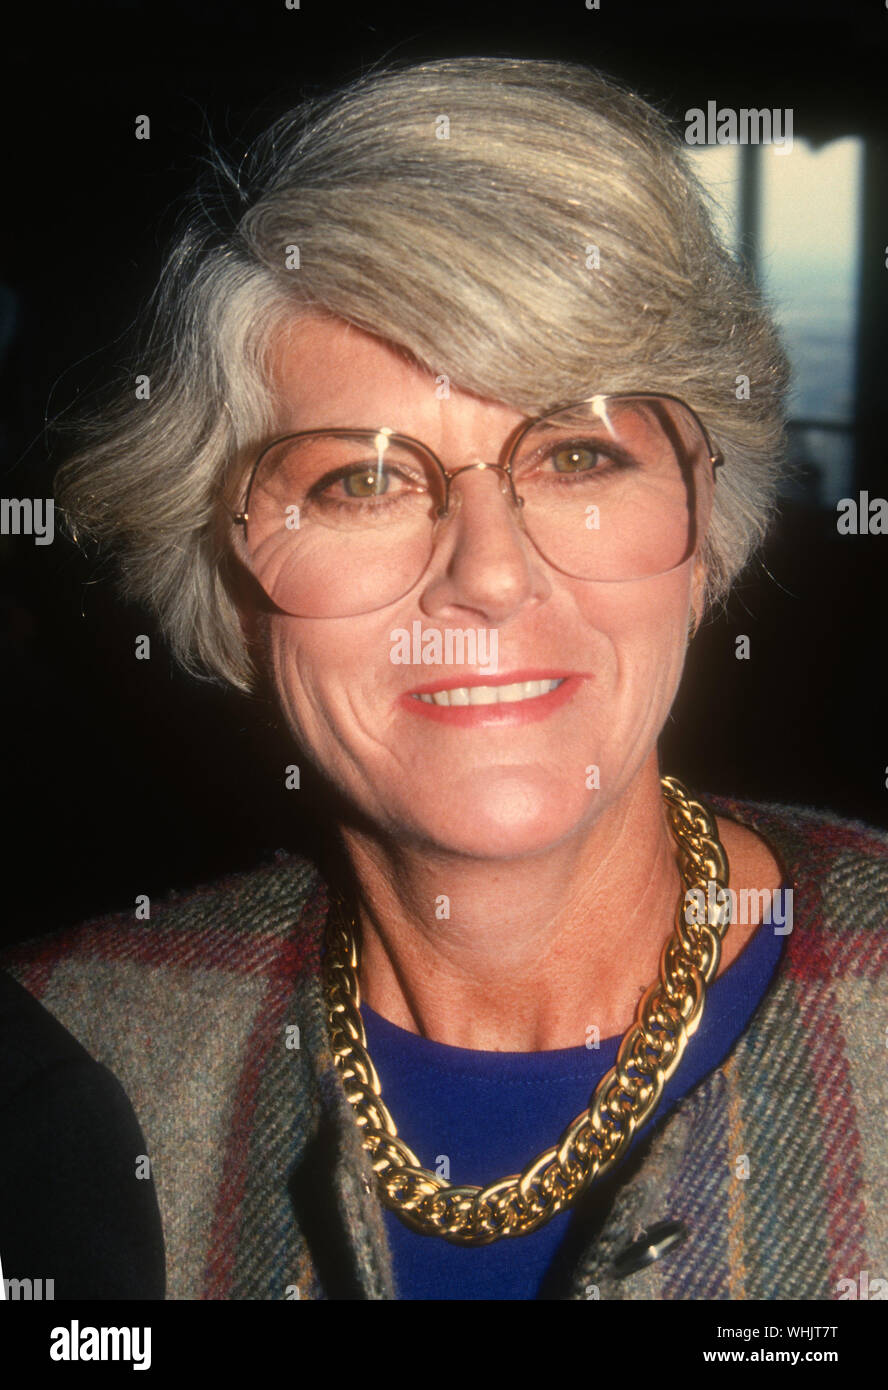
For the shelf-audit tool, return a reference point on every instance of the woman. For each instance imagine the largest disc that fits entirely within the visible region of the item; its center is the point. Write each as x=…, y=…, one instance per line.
x=442, y=441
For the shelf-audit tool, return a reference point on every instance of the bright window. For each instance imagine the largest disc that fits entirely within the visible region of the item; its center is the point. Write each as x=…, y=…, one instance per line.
x=805, y=248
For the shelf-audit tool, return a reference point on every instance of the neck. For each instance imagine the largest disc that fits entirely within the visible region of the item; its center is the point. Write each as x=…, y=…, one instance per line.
x=524, y=954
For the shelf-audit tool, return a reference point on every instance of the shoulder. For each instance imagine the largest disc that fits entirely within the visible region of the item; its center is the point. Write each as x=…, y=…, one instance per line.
x=243, y=920
x=818, y=831
x=817, y=842
x=222, y=947
x=837, y=870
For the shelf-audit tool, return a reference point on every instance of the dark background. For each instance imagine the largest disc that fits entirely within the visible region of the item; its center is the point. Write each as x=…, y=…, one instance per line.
x=124, y=777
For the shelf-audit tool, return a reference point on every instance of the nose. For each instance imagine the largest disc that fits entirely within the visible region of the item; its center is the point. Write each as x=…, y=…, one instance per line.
x=483, y=558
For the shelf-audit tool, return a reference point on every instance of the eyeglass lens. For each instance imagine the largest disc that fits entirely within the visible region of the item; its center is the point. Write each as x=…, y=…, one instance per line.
x=343, y=523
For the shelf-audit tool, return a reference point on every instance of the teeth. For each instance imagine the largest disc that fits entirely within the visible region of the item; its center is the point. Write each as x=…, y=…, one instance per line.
x=490, y=694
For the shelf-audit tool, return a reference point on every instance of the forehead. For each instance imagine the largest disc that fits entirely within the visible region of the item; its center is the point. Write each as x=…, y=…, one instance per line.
x=327, y=372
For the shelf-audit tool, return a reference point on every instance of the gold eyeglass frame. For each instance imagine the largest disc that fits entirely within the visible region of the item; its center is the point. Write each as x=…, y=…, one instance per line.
x=715, y=457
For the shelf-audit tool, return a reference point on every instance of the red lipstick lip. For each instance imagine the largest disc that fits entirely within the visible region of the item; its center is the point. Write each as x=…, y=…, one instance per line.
x=496, y=715
x=510, y=678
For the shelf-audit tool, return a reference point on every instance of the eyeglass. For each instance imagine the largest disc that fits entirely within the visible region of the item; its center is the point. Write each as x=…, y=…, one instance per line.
x=338, y=522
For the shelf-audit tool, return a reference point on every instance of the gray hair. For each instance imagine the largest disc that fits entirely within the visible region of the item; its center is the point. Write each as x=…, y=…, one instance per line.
x=474, y=254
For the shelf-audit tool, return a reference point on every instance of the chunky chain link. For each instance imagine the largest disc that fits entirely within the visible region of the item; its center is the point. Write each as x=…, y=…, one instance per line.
x=668, y=1015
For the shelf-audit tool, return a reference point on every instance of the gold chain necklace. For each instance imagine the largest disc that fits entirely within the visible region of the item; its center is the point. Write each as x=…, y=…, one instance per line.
x=668, y=1015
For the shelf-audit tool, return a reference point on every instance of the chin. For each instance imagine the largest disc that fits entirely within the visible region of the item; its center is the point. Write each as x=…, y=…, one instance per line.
x=505, y=813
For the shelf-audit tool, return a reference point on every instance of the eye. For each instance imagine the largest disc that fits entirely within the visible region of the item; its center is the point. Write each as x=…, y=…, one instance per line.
x=371, y=482
x=365, y=482
x=574, y=458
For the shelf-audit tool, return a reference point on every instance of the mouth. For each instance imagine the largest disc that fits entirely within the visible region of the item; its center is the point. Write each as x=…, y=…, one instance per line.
x=478, y=701
x=512, y=694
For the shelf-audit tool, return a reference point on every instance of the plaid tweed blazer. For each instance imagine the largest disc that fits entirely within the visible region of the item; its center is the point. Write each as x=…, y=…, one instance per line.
x=265, y=1191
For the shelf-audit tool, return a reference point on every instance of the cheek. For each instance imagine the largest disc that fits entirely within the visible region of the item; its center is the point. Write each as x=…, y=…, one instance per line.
x=657, y=668
x=658, y=623
x=295, y=656
x=324, y=673
x=657, y=641
x=645, y=627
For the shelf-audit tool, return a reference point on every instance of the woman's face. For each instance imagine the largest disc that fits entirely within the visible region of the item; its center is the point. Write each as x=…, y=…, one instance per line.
x=483, y=780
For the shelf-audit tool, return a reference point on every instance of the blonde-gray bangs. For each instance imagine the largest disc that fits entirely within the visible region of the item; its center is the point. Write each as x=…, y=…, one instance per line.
x=529, y=230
